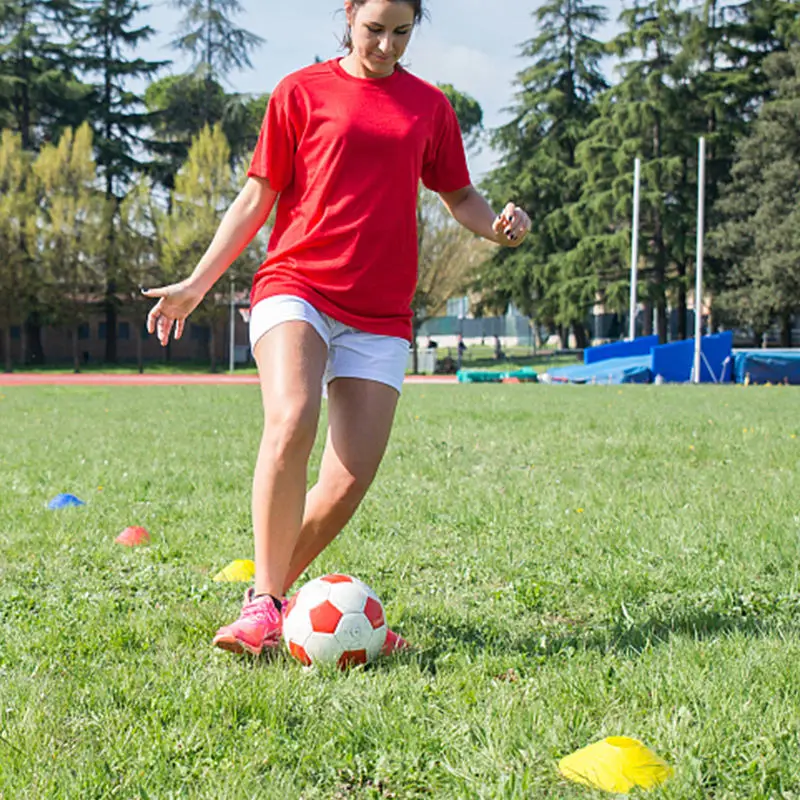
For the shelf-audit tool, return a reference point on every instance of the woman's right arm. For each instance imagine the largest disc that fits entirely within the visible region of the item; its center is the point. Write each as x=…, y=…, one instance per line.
x=246, y=216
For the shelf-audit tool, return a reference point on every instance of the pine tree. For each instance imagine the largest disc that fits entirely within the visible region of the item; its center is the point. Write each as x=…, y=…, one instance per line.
x=215, y=44
x=469, y=113
x=749, y=33
x=644, y=115
x=554, y=105
x=17, y=234
x=180, y=104
x=760, y=232
x=39, y=92
x=729, y=42
x=72, y=228
x=109, y=40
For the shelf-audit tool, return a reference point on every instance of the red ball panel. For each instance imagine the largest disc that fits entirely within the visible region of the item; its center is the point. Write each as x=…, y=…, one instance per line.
x=324, y=618
x=299, y=653
x=337, y=578
x=373, y=611
x=351, y=658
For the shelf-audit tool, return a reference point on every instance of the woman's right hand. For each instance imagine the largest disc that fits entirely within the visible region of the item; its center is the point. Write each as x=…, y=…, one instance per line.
x=175, y=303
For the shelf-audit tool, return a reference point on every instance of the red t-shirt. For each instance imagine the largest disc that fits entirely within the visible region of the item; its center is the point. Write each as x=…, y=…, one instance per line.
x=346, y=155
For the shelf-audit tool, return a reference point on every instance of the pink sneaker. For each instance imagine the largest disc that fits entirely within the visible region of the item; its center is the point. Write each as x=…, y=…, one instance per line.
x=259, y=625
x=394, y=644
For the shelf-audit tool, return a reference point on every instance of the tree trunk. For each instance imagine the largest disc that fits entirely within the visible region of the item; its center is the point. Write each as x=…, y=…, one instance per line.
x=786, y=329
x=139, y=357
x=683, y=328
x=111, y=323
x=76, y=364
x=9, y=367
x=580, y=335
x=34, y=331
x=659, y=280
x=414, y=347
x=212, y=345
x=535, y=338
x=647, y=320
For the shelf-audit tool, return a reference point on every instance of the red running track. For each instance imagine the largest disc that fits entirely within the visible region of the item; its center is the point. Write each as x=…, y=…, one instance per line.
x=105, y=379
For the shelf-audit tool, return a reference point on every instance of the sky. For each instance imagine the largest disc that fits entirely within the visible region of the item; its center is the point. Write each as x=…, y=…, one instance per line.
x=472, y=44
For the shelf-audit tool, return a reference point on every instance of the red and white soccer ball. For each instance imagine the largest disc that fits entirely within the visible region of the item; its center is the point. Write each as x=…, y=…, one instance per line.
x=334, y=619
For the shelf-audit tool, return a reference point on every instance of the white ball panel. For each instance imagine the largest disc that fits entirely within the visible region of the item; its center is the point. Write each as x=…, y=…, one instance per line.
x=364, y=586
x=297, y=627
x=348, y=597
x=354, y=631
x=376, y=641
x=323, y=648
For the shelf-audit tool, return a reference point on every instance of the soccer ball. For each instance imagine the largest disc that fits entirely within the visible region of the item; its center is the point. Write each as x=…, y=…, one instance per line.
x=334, y=619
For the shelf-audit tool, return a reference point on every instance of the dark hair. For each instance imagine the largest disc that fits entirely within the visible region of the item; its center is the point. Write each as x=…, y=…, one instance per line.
x=419, y=13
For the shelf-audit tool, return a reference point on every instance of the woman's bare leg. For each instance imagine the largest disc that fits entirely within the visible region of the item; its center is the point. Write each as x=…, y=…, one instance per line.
x=291, y=362
x=360, y=417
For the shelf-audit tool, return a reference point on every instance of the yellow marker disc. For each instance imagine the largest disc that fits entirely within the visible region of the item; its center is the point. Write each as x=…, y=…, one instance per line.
x=239, y=571
x=617, y=764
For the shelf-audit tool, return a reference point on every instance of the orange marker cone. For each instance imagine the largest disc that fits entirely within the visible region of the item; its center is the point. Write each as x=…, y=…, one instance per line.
x=133, y=536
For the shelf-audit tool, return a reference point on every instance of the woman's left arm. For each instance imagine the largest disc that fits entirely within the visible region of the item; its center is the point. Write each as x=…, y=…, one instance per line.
x=470, y=209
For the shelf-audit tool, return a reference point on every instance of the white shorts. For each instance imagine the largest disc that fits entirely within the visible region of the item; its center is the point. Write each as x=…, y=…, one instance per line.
x=351, y=353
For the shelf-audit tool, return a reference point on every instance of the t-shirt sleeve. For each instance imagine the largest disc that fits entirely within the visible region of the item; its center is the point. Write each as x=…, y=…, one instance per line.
x=273, y=157
x=445, y=168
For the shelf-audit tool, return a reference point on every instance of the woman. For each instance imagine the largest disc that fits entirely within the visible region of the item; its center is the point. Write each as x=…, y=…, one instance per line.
x=342, y=149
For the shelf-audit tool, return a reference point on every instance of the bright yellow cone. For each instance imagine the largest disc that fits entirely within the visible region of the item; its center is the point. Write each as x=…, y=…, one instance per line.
x=239, y=571
x=616, y=764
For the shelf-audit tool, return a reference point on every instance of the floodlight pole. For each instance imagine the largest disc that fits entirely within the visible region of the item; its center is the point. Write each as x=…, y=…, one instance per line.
x=698, y=289
x=637, y=177
x=232, y=342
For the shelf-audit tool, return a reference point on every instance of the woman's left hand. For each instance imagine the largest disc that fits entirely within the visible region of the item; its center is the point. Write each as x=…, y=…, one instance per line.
x=512, y=226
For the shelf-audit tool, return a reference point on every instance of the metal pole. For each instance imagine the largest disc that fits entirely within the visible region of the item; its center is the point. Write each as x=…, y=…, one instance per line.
x=637, y=177
x=698, y=289
x=232, y=334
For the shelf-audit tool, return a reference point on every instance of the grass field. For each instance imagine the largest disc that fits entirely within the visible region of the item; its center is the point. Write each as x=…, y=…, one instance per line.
x=573, y=562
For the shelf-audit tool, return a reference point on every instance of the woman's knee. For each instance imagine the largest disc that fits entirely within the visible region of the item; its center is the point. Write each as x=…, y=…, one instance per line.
x=348, y=486
x=290, y=426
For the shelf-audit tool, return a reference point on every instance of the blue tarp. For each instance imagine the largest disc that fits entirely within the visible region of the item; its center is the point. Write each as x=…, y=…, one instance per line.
x=767, y=366
x=635, y=369
x=637, y=347
x=674, y=361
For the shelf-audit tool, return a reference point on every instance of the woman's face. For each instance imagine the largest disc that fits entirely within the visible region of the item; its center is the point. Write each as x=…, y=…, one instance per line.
x=380, y=30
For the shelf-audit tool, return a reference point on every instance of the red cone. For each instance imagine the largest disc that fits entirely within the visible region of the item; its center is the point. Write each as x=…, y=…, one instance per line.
x=133, y=536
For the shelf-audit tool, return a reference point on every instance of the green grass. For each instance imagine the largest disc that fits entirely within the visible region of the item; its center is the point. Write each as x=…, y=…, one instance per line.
x=573, y=562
